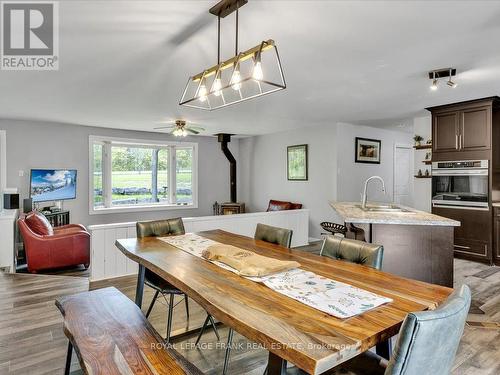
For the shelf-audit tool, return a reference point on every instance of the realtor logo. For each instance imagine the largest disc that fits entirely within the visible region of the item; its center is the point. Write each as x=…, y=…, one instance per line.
x=30, y=35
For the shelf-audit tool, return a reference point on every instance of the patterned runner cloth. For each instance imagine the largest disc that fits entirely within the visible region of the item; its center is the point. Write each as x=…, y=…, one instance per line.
x=332, y=297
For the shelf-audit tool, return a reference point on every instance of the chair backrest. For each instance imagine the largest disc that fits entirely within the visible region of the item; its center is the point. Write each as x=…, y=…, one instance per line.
x=158, y=228
x=38, y=223
x=353, y=251
x=278, y=236
x=428, y=340
x=275, y=205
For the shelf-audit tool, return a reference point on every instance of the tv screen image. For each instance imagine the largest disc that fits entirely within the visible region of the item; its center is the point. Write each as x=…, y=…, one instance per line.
x=52, y=184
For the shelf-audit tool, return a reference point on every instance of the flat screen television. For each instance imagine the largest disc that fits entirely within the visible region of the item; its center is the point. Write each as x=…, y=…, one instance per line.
x=52, y=184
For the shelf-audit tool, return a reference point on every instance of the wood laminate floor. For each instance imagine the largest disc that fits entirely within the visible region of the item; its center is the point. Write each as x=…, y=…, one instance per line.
x=32, y=341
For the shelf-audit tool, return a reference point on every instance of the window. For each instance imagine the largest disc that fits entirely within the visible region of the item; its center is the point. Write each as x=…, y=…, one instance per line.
x=141, y=175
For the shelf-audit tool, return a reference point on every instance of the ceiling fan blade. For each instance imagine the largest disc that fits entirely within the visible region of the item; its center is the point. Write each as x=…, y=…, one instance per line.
x=164, y=127
x=192, y=131
x=202, y=21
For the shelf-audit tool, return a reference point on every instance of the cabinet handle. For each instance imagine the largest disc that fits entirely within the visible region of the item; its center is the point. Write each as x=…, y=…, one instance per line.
x=462, y=247
x=460, y=142
x=456, y=142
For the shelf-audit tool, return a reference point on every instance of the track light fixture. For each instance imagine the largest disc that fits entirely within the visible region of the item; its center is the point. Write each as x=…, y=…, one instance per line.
x=249, y=74
x=435, y=75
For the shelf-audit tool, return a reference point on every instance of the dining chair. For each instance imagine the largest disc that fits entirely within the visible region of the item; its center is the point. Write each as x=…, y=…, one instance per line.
x=160, y=228
x=275, y=235
x=266, y=233
x=353, y=251
x=427, y=342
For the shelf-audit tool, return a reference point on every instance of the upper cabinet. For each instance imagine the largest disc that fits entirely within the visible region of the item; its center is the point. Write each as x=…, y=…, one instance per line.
x=445, y=131
x=462, y=131
x=475, y=128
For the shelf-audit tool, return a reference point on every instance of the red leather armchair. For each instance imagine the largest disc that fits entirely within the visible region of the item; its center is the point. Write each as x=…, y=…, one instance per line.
x=275, y=205
x=48, y=247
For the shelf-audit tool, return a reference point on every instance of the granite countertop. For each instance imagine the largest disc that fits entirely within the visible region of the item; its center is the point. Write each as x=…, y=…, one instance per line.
x=353, y=214
x=496, y=204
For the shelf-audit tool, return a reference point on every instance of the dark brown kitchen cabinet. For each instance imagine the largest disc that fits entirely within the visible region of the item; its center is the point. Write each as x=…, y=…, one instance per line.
x=496, y=235
x=462, y=131
x=445, y=131
x=475, y=129
x=472, y=239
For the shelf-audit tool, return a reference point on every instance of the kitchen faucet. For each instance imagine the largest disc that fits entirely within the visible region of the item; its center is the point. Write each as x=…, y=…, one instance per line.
x=364, y=196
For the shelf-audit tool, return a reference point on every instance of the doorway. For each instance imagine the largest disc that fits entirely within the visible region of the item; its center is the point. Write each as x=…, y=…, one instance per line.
x=403, y=174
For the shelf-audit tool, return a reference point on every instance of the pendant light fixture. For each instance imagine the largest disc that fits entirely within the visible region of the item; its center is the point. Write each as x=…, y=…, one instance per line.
x=249, y=74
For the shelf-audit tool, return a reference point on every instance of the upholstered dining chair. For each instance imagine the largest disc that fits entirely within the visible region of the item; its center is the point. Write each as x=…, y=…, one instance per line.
x=275, y=235
x=353, y=251
x=427, y=342
x=159, y=228
x=266, y=233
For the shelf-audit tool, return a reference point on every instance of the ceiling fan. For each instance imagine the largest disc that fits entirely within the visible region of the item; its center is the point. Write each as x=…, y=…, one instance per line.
x=180, y=128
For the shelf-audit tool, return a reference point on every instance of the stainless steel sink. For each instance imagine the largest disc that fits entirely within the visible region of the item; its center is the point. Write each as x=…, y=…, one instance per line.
x=384, y=208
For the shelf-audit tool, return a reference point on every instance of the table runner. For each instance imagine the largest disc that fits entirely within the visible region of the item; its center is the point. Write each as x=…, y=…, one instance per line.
x=332, y=297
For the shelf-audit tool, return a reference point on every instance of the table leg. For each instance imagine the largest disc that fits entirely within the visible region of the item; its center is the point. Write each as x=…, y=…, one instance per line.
x=276, y=365
x=140, y=286
x=67, y=367
x=384, y=349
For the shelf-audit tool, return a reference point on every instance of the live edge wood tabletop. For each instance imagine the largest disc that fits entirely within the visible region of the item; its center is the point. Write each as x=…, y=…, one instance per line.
x=310, y=339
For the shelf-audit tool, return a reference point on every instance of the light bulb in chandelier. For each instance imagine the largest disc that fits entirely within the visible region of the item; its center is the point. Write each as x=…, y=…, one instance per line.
x=257, y=71
x=202, y=93
x=236, y=79
x=217, y=86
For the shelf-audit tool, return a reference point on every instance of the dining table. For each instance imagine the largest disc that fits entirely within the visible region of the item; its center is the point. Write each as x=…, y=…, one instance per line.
x=290, y=330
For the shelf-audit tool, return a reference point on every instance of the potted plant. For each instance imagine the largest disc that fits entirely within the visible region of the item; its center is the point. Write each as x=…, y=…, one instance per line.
x=418, y=139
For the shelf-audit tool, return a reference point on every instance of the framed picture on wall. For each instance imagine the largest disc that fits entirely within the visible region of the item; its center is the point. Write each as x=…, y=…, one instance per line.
x=367, y=150
x=297, y=163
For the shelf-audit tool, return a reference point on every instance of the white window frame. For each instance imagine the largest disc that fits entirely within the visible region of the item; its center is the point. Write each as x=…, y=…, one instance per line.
x=107, y=142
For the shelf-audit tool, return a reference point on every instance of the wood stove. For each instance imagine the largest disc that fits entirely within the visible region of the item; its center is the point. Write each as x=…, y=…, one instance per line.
x=229, y=208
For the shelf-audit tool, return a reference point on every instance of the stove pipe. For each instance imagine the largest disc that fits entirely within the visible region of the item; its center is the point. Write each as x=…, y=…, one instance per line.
x=224, y=139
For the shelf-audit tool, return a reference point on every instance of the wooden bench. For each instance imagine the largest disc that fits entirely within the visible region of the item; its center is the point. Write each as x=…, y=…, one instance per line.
x=111, y=336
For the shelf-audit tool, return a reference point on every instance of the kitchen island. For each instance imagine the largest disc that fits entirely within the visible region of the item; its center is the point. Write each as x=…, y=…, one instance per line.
x=417, y=244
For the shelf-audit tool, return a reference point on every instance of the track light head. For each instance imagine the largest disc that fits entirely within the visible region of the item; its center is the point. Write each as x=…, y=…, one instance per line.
x=451, y=83
x=434, y=85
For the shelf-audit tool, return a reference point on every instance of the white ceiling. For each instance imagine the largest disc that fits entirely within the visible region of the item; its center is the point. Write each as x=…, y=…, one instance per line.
x=125, y=64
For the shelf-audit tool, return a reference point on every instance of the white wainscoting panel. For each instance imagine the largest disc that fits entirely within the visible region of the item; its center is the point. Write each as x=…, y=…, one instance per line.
x=108, y=262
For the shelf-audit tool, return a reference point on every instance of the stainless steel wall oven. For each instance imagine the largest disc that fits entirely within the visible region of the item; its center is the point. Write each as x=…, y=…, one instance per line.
x=460, y=184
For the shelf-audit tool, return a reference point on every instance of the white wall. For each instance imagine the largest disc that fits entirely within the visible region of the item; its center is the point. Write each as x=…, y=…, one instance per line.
x=263, y=172
x=34, y=144
x=333, y=174
x=422, y=186
x=351, y=175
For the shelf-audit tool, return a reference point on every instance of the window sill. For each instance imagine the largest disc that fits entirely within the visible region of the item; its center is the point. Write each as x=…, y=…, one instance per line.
x=125, y=209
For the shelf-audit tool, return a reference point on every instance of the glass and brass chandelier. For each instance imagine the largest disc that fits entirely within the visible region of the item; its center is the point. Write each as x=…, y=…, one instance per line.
x=249, y=74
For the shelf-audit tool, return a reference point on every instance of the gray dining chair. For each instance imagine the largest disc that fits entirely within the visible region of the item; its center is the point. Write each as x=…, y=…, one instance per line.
x=275, y=235
x=353, y=251
x=427, y=342
x=161, y=228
